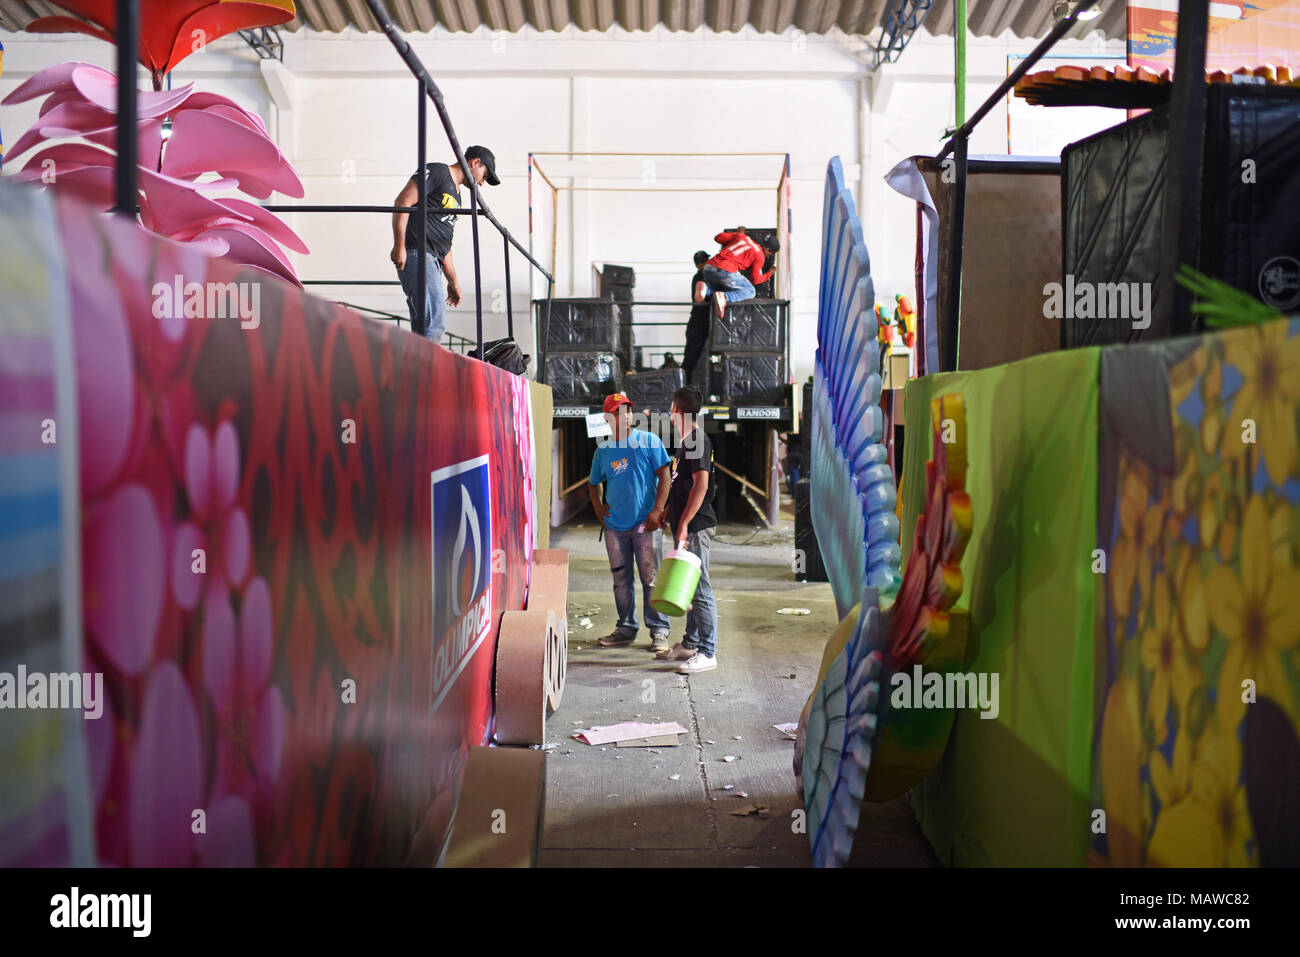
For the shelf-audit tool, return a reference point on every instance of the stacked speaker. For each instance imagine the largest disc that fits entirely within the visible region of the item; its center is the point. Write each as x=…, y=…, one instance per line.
x=617, y=283
x=747, y=352
x=653, y=388
x=1114, y=182
x=584, y=354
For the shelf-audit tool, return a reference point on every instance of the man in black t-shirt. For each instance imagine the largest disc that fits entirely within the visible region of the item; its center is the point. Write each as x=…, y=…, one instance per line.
x=697, y=330
x=690, y=514
x=442, y=185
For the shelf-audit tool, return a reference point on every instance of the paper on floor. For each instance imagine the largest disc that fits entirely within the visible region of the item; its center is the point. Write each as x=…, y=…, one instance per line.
x=627, y=731
x=659, y=740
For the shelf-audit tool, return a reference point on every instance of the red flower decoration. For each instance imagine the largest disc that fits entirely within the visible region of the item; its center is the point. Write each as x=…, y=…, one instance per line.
x=932, y=580
x=170, y=30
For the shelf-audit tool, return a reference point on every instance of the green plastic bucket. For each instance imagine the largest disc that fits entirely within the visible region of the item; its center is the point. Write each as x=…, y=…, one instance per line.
x=679, y=574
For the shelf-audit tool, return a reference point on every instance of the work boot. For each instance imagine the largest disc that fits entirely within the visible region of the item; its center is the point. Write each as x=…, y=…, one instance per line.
x=660, y=643
x=616, y=639
x=677, y=652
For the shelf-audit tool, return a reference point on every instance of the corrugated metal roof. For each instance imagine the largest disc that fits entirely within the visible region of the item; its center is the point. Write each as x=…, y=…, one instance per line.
x=1026, y=18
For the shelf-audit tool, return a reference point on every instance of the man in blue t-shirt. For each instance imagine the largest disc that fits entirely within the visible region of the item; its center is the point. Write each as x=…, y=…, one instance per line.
x=633, y=467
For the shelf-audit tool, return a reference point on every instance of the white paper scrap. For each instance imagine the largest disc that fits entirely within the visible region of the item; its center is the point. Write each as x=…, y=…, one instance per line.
x=627, y=731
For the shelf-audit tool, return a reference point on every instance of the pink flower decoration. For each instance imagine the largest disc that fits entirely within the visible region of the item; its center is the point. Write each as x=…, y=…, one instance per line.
x=229, y=841
x=209, y=134
x=124, y=566
x=167, y=775
x=105, y=381
x=211, y=483
x=249, y=710
x=100, y=736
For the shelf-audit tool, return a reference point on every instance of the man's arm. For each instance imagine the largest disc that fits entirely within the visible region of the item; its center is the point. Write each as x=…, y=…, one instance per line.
x=656, y=517
x=601, y=508
x=453, y=282
x=755, y=276
x=409, y=196
x=699, y=489
x=723, y=238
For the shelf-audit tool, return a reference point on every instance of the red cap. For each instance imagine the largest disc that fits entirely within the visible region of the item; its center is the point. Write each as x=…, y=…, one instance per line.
x=612, y=402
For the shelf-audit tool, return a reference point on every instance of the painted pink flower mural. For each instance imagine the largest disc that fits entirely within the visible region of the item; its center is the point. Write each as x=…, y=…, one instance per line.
x=184, y=136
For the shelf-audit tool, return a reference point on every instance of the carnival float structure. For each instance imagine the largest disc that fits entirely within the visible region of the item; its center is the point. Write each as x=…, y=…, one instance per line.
x=300, y=549
x=1124, y=522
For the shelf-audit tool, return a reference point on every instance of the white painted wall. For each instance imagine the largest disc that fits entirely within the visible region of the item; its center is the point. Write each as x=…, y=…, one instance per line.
x=346, y=118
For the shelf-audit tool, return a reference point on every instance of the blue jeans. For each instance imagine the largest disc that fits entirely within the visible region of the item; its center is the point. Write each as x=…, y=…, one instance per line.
x=731, y=284
x=435, y=295
x=702, y=618
x=645, y=550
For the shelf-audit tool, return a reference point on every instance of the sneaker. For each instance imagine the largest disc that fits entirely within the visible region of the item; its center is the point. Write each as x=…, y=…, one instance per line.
x=696, y=664
x=720, y=303
x=660, y=643
x=677, y=652
x=615, y=639
x=701, y=291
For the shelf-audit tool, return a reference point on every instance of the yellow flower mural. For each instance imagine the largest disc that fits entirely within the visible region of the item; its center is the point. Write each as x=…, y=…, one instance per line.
x=1163, y=655
x=1216, y=785
x=1184, y=376
x=1141, y=524
x=1193, y=609
x=1203, y=610
x=1258, y=612
x=1121, y=758
x=1269, y=362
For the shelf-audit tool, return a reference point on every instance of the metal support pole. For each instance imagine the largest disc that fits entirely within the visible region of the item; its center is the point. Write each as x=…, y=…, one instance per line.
x=128, y=137
x=421, y=222
x=997, y=97
x=959, y=35
x=958, y=145
x=957, y=227
x=1180, y=236
x=510, y=311
x=478, y=284
x=544, y=332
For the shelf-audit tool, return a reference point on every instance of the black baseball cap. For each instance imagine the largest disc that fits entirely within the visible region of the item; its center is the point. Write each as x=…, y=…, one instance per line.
x=771, y=244
x=484, y=156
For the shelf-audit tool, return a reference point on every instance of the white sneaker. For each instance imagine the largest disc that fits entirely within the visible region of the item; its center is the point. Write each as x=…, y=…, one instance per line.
x=677, y=652
x=720, y=303
x=696, y=664
x=701, y=291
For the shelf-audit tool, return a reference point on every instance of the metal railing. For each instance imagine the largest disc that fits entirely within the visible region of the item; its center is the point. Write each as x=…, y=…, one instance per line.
x=128, y=28
x=958, y=145
x=1182, y=192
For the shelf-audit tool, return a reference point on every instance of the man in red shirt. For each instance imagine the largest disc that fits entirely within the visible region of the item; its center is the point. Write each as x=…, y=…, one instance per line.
x=723, y=275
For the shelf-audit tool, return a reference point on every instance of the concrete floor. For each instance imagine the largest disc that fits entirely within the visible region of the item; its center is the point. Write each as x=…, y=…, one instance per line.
x=621, y=807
